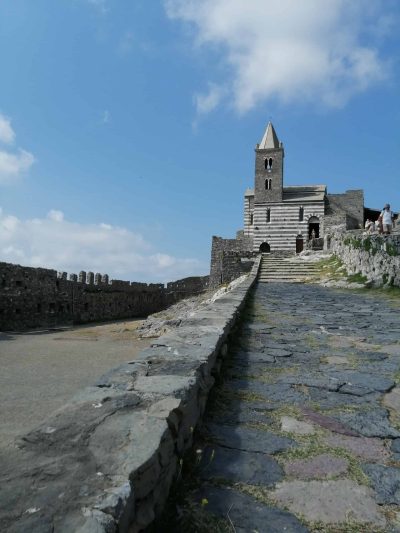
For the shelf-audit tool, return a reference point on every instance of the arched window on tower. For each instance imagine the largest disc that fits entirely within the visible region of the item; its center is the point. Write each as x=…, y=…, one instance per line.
x=301, y=214
x=268, y=215
x=268, y=164
x=268, y=184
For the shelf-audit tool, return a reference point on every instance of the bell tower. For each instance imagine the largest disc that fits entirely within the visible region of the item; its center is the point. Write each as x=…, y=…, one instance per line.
x=268, y=187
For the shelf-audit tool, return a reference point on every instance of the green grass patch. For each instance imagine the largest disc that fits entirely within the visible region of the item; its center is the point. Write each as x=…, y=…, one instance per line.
x=357, y=278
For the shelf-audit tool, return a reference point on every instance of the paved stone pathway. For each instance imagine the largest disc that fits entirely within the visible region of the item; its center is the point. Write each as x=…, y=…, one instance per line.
x=303, y=433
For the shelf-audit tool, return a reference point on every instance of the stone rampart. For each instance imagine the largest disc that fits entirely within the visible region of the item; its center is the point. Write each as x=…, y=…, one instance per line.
x=106, y=461
x=39, y=297
x=377, y=257
x=226, y=259
x=351, y=203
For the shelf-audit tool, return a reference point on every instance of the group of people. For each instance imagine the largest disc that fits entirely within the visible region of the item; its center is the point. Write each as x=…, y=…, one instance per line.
x=384, y=224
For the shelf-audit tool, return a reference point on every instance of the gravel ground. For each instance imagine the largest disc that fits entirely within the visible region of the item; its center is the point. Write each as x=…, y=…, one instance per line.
x=41, y=370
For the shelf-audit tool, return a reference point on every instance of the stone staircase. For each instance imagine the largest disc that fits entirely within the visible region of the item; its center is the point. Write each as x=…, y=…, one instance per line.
x=285, y=269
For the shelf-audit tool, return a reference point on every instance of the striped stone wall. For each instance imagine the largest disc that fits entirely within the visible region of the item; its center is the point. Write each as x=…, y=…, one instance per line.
x=284, y=225
x=248, y=211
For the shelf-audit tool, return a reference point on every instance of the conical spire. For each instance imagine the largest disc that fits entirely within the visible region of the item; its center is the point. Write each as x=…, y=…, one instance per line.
x=270, y=139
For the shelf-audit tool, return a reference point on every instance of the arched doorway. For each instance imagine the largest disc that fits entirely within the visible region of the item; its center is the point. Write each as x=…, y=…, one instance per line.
x=265, y=248
x=299, y=244
x=313, y=227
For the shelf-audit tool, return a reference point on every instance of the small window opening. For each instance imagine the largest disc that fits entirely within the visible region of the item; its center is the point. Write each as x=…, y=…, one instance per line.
x=39, y=308
x=3, y=282
x=52, y=307
x=18, y=311
x=268, y=164
x=57, y=284
x=268, y=184
x=251, y=219
x=268, y=215
x=18, y=283
x=86, y=307
x=301, y=214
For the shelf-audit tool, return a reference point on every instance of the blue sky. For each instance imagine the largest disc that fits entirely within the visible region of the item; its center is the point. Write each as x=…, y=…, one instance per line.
x=127, y=128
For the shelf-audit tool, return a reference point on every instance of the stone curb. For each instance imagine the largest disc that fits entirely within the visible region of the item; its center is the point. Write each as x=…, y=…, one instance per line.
x=106, y=461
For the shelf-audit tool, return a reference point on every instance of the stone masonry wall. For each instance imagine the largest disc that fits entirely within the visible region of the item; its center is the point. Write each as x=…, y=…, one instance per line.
x=105, y=462
x=377, y=257
x=226, y=255
x=350, y=202
x=36, y=297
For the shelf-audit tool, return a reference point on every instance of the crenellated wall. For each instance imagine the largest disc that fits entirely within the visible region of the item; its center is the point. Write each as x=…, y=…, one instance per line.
x=105, y=461
x=37, y=297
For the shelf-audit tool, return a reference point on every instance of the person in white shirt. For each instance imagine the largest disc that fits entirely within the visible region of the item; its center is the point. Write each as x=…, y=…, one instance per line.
x=387, y=219
x=369, y=225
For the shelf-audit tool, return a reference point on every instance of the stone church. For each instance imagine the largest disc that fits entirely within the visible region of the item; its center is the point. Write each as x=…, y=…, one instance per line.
x=283, y=220
x=279, y=218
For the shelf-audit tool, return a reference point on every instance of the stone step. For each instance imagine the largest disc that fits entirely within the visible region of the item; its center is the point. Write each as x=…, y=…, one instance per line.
x=285, y=280
x=288, y=268
x=284, y=275
x=311, y=270
x=285, y=270
x=289, y=265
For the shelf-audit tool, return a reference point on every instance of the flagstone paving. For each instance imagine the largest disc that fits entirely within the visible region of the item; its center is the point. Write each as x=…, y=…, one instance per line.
x=302, y=432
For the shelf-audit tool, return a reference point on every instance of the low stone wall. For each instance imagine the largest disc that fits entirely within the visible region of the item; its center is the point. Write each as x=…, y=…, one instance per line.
x=39, y=297
x=106, y=461
x=377, y=257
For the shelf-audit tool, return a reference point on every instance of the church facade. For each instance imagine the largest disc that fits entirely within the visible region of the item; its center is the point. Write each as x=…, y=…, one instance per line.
x=279, y=218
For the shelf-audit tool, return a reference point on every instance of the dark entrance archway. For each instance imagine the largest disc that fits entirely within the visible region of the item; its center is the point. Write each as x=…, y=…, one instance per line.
x=265, y=248
x=313, y=228
x=299, y=244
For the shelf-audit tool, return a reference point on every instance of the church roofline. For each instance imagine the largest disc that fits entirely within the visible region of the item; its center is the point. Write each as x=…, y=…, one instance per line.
x=302, y=187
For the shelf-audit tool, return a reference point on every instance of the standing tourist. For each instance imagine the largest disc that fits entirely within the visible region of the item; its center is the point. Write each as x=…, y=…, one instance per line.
x=387, y=219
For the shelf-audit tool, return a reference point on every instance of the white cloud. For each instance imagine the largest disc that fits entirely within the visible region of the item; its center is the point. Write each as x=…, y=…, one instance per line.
x=12, y=165
x=205, y=103
x=55, y=215
x=7, y=134
x=290, y=50
x=54, y=242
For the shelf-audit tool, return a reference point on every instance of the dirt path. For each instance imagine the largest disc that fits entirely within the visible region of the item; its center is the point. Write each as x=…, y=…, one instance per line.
x=41, y=370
